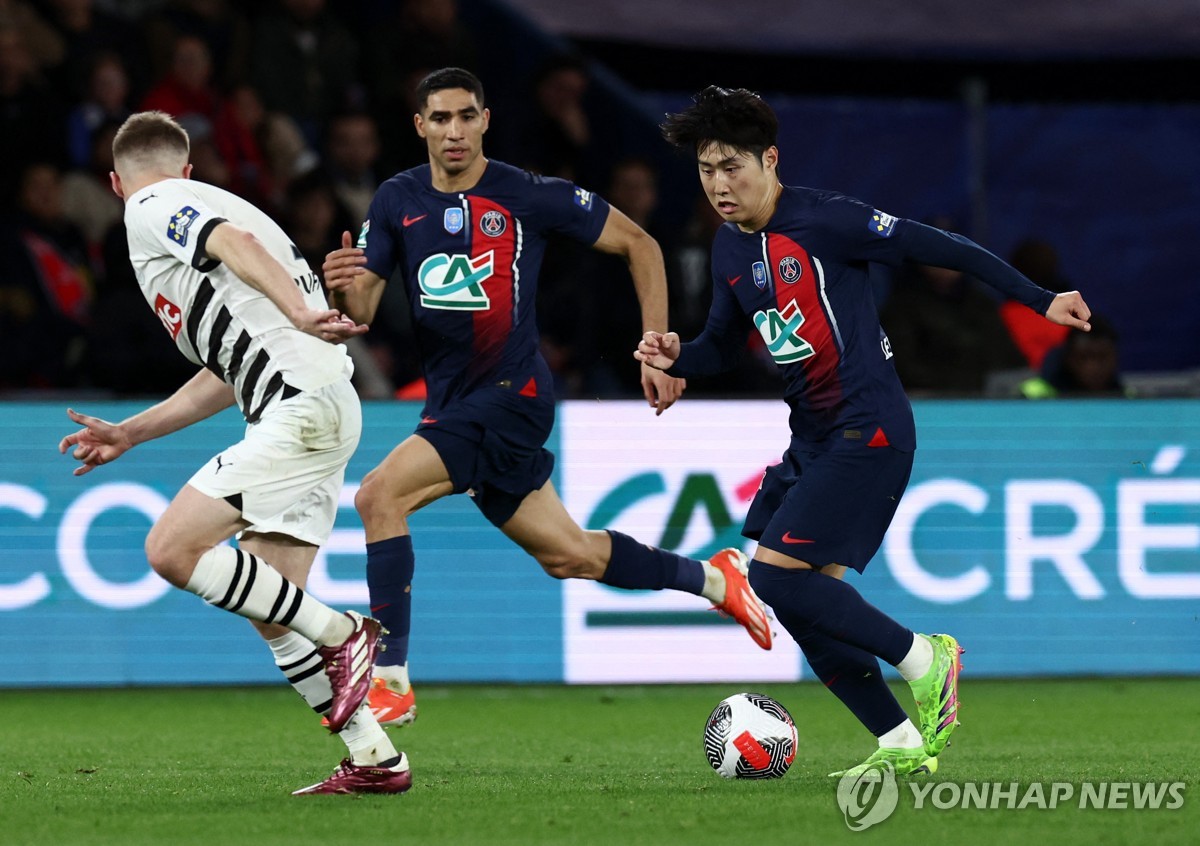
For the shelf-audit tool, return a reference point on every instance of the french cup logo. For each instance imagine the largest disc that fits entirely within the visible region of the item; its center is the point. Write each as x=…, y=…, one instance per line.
x=868, y=795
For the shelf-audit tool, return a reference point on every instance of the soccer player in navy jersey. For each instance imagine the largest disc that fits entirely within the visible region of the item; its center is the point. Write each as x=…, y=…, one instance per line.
x=466, y=235
x=791, y=263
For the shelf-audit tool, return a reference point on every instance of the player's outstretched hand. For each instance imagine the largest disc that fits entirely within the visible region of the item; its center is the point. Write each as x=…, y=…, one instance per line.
x=98, y=442
x=658, y=350
x=343, y=265
x=661, y=390
x=1069, y=309
x=329, y=325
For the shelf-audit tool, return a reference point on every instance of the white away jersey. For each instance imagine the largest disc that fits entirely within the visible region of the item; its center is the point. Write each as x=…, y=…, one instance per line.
x=215, y=318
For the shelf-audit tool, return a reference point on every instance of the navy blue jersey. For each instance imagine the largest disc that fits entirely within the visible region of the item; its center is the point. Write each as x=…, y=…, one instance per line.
x=470, y=262
x=802, y=283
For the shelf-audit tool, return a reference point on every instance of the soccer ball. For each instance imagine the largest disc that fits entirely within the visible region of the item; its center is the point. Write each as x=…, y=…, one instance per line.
x=749, y=735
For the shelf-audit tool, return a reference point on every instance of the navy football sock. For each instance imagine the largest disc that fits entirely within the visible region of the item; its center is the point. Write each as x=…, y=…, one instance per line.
x=390, y=565
x=832, y=607
x=635, y=566
x=851, y=675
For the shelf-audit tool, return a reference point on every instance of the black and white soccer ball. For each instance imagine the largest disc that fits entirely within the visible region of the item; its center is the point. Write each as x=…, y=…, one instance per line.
x=749, y=735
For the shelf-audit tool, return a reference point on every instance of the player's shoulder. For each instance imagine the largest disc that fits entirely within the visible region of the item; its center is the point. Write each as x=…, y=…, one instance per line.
x=501, y=176
x=158, y=197
x=819, y=209
x=406, y=182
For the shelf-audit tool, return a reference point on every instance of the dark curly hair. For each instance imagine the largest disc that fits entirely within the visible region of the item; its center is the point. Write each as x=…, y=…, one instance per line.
x=735, y=118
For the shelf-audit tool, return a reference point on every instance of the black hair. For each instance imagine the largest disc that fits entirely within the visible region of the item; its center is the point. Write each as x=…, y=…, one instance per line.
x=735, y=118
x=445, y=78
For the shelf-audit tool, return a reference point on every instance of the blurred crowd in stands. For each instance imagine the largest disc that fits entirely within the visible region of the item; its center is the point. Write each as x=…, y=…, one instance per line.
x=303, y=107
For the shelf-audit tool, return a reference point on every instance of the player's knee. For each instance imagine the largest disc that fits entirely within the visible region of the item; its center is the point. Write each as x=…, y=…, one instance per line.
x=167, y=558
x=563, y=563
x=374, y=500
x=574, y=559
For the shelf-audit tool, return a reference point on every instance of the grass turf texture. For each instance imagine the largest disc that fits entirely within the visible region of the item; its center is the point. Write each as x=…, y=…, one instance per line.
x=581, y=765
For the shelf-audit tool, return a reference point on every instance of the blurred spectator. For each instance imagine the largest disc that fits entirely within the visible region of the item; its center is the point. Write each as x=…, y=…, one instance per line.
x=419, y=35
x=1033, y=335
x=88, y=200
x=87, y=33
x=558, y=136
x=262, y=151
x=1086, y=365
x=609, y=318
x=46, y=288
x=313, y=218
x=208, y=165
x=187, y=90
x=32, y=120
x=218, y=23
x=43, y=44
x=945, y=330
x=304, y=63
x=239, y=126
x=351, y=159
x=107, y=101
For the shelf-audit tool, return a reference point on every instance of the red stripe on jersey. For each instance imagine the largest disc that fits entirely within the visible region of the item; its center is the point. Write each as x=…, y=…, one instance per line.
x=823, y=384
x=492, y=328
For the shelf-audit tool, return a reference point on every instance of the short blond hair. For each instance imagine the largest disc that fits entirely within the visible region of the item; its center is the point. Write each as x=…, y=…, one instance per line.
x=148, y=139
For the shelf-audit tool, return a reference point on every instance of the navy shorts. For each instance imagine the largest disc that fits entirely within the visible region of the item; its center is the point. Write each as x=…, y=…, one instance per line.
x=492, y=445
x=829, y=507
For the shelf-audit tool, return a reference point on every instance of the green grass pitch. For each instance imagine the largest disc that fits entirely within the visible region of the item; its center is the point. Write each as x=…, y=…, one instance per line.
x=571, y=765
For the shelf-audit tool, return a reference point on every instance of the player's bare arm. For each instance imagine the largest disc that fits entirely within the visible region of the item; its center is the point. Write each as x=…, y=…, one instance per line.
x=101, y=442
x=352, y=288
x=1069, y=309
x=621, y=236
x=246, y=256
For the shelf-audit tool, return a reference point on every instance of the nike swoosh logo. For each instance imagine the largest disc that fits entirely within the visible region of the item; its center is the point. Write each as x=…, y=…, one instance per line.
x=734, y=280
x=409, y=221
x=375, y=608
x=428, y=419
x=787, y=538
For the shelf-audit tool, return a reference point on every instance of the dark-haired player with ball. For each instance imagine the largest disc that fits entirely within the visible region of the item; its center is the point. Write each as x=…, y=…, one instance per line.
x=791, y=263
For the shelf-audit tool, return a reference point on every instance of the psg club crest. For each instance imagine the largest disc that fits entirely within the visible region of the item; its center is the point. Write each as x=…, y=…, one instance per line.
x=759, y=271
x=789, y=269
x=453, y=220
x=492, y=223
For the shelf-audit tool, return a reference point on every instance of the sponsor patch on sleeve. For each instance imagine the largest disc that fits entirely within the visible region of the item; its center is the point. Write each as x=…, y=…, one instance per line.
x=362, y=235
x=181, y=221
x=583, y=199
x=881, y=224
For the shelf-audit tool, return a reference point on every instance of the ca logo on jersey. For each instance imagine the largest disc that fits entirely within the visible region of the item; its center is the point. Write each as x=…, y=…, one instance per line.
x=781, y=331
x=455, y=282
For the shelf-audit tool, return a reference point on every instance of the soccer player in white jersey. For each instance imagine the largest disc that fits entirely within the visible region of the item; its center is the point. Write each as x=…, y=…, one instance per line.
x=237, y=298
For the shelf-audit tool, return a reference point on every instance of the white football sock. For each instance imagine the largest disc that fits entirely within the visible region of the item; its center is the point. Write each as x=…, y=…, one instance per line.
x=237, y=581
x=298, y=659
x=395, y=675
x=919, y=659
x=903, y=736
x=714, y=584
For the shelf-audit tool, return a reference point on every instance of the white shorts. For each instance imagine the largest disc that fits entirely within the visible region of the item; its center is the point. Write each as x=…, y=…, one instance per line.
x=289, y=469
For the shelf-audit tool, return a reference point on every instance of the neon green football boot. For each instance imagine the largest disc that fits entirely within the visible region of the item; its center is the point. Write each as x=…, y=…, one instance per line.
x=937, y=693
x=902, y=761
